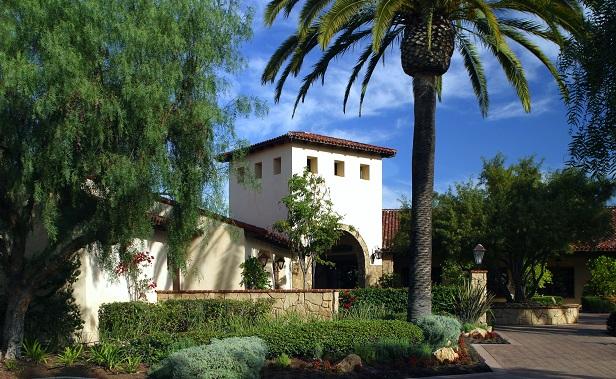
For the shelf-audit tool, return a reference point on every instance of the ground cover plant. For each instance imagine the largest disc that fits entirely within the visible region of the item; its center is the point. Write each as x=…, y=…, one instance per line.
x=598, y=304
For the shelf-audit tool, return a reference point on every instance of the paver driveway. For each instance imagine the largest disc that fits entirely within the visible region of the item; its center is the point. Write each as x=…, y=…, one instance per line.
x=583, y=351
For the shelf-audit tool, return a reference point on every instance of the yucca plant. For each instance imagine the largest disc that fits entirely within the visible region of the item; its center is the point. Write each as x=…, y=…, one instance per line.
x=426, y=32
x=471, y=301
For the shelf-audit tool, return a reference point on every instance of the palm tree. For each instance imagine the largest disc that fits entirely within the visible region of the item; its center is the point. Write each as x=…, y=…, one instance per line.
x=427, y=32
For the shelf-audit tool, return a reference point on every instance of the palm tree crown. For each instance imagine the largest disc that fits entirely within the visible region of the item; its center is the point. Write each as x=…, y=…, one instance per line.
x=337, y=25
x=427, y=32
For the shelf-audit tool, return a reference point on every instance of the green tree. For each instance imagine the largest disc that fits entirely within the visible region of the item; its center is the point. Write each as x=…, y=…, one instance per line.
x=602, y=276
x=588, y=64
x=104, y=107
x=534, y=217
x=254, y=275
x=426, y=32
x=312, y=226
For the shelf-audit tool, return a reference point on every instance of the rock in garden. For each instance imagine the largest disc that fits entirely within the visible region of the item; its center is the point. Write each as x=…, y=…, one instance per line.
x=446, y=354
x=350, y=363
x=479, y=332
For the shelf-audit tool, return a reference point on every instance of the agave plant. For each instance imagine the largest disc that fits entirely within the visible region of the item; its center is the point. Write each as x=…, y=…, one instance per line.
x=471, y=301
x=426, y=32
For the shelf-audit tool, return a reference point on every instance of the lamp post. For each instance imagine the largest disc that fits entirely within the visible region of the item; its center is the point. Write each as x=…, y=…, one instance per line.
x=479, y=277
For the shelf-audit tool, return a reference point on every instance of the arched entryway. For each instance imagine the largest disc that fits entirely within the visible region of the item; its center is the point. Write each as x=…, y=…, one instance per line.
x=349, y=258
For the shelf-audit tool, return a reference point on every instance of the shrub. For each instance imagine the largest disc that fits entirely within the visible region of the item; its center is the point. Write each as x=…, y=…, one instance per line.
x=602, y=276
x=155, y=347
x=596, y=304
x=611, y=324
x=385, y=350
x=440, y=331
x=283, y=360
x=254, y=275
x=547, y=300
x=333, y=339
x=232, y=358
x=124, y=321
x=395, y=300
x=470, y=302
x=364, y=311
x=390, y=280
x=442, y=299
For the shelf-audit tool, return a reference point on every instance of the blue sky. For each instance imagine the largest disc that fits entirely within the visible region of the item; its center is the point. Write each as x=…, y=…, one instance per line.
x=463, y=136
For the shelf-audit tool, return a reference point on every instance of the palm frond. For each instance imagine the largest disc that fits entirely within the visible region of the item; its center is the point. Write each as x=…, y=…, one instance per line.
x=273, y=9
x=311, y=10
x=521, y=39
x=338, y=17
x=509, y=62
x=339, y=47
x=281, y=54
x=374, y=60
x=385, y=13
x=363, y=57
x=474, y=68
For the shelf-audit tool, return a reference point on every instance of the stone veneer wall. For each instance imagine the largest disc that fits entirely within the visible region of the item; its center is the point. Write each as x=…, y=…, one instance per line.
x=322, y=303
x=557, y=315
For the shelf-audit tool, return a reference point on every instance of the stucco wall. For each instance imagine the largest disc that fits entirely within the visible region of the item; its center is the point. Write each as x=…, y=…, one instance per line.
x=95, y=286
x=321, y=303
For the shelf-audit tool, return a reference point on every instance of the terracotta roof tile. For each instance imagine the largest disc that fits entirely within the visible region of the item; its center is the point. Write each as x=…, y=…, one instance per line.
x=391, y=225
x=316, y=139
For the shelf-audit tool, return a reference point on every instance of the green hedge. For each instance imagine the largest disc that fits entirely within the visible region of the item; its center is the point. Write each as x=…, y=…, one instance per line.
x=334, y=339
x=124, y=321
x=596, y=304
x=395, y=300
x=611, y=324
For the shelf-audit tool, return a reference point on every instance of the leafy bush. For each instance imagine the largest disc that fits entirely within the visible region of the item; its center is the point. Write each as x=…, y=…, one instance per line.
x=442, y=299
x=232, y=358
x=547, y=300
x=596, y=304
x=283, y=360
x=385, y=350
x=124, y=321
x=611, y=324
x=364, y=311
x=254, y=275
x=470, y=302
x=70, y=355
x=333, y=339
x=390, y=280
x=440, y=331
x=155, y=347
x=602, y=277
x=34, y=351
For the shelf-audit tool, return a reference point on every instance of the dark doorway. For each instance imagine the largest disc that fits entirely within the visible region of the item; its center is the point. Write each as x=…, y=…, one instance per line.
x=347, y=266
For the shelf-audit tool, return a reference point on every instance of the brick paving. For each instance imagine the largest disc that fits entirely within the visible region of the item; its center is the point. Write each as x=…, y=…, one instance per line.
x=581, y=351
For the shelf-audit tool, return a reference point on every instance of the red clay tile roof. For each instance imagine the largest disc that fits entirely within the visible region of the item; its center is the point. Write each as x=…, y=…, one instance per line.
x=316, y=139
x=255, y=231
x=608, y=244
x=391, y=225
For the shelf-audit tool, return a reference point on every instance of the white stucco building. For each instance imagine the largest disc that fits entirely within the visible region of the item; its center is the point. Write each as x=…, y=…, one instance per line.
x=353, y=173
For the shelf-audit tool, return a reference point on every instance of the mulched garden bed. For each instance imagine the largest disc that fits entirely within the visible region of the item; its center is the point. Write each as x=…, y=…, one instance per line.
x=490, y=338
x=469, y=362
x=28, y=370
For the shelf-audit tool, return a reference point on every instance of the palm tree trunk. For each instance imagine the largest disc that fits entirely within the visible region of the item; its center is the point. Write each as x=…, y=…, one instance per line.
x=420, y=286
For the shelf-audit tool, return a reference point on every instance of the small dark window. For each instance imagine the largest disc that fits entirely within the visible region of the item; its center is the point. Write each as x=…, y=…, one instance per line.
x=312, y=165
x=258, y=170
x=339, y=168
x=277, y=165
x=364, y=171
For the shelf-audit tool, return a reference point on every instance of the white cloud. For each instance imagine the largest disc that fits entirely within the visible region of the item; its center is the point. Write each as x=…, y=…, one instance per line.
x=513, y=109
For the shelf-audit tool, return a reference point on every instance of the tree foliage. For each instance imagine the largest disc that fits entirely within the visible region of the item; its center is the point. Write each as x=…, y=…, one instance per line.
x=602, y=276
x=312, y=226
x=588, y=64
x=254, y=275
x=104, y=107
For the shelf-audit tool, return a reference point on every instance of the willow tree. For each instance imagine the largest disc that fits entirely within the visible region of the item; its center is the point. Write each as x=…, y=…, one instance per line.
x=104, y=107
x=426, y=32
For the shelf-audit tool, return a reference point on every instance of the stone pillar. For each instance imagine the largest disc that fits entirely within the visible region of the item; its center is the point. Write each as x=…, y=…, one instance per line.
x=479, y=278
